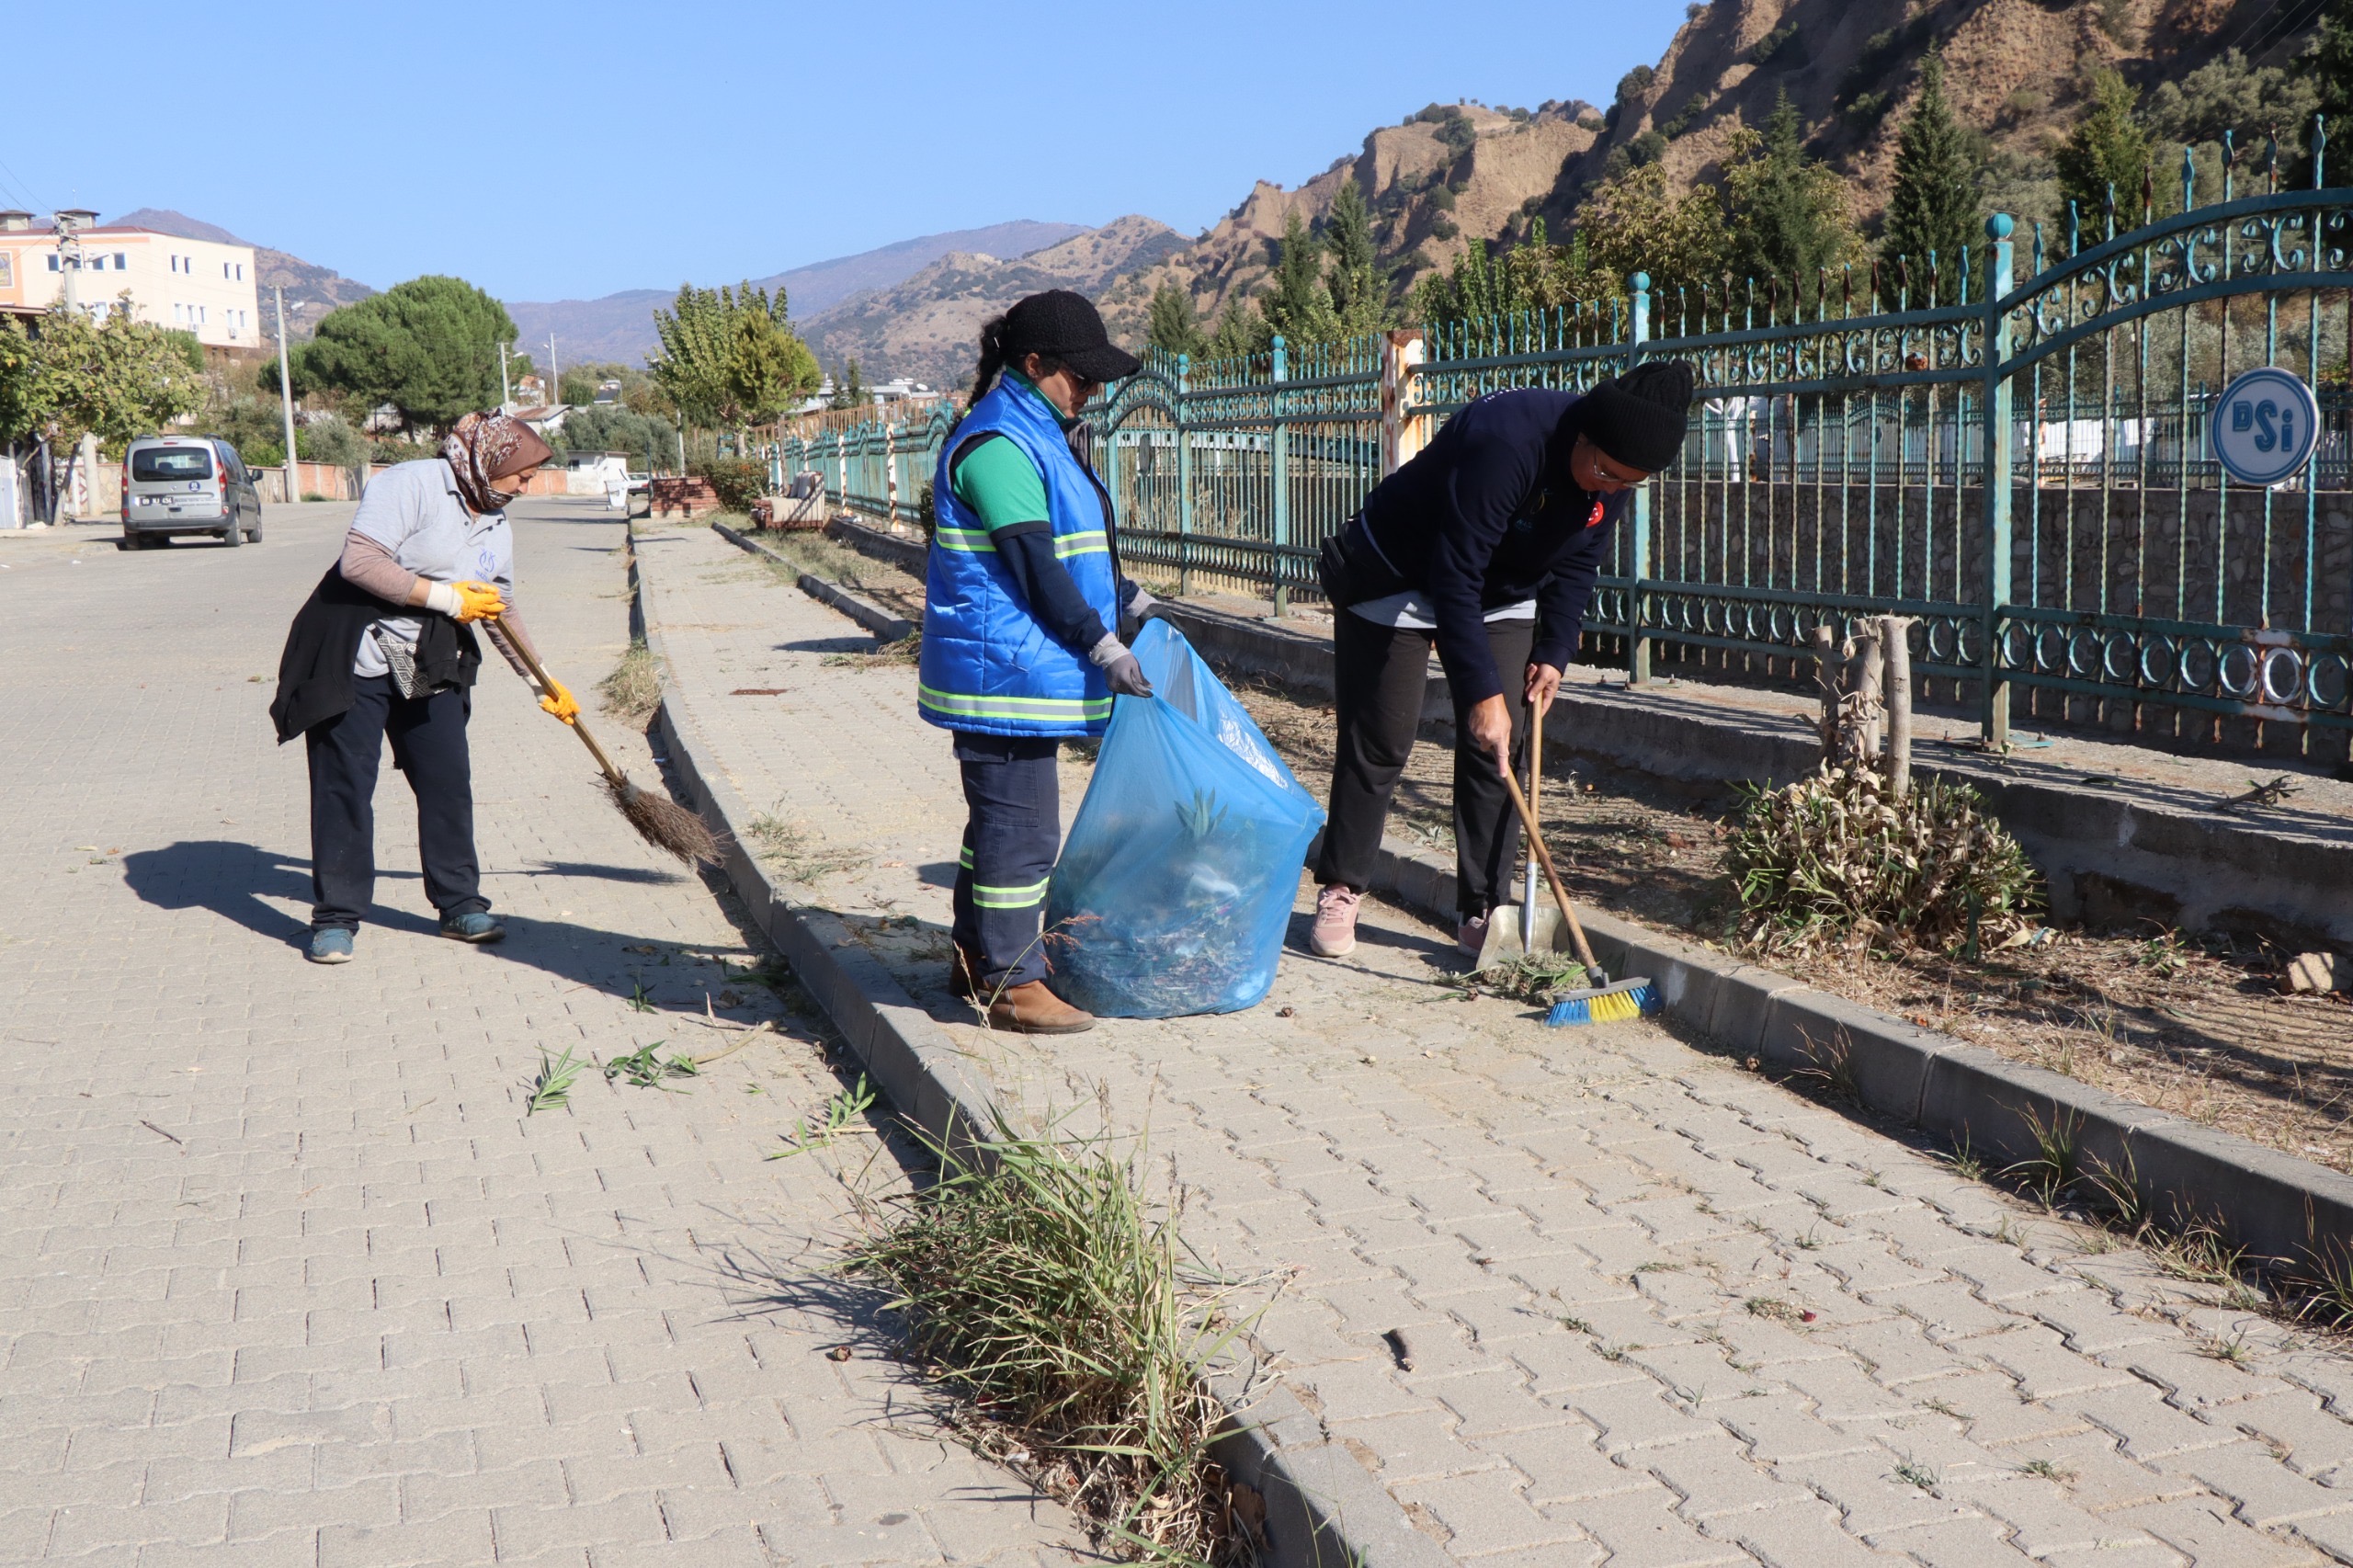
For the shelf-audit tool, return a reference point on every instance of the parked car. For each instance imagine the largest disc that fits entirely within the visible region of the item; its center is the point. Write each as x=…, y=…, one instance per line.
x=187, y=484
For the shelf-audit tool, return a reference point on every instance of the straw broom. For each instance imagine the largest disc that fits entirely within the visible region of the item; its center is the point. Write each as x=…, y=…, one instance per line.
x=660, y=821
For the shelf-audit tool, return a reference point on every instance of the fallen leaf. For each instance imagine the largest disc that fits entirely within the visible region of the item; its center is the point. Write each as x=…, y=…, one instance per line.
x=838, y=1353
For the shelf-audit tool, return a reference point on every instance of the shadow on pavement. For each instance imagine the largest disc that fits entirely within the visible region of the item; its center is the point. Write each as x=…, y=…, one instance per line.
x=239, y=881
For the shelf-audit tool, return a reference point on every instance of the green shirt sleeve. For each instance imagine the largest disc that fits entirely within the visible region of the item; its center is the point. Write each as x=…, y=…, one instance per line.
x=997, y=481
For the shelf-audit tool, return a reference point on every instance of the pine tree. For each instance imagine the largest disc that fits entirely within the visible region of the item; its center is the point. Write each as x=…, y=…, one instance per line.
x=1788, y=212
x=1297, y=305
x=1174, y=328
x=2108, y=149
x=1239, y=333
x=1934, y=206
x=1359, y=292
x=2332, y=62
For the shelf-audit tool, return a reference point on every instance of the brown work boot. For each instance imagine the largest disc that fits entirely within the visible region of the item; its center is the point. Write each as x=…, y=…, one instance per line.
x=963, y=975
x=1033, y=1009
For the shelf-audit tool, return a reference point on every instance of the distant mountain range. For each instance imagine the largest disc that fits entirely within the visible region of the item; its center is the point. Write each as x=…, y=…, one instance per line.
x=620, y=327
x=310, y=290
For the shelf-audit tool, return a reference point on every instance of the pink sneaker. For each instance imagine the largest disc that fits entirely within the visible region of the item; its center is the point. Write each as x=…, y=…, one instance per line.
x=1471, y=935
x=1335, y=932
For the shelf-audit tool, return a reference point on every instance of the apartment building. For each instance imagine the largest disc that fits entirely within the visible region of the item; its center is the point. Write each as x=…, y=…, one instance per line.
x=199, y=285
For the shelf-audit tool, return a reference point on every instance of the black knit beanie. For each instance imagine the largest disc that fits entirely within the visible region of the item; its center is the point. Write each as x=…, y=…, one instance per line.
x=1639, y=418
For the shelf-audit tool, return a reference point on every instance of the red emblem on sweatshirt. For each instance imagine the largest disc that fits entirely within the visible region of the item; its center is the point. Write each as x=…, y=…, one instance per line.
x=1593, y=519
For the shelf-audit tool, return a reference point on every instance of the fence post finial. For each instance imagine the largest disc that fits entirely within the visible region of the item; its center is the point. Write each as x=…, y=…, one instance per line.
x=2320, y=147
x=2230, y=161
x=2189, y=178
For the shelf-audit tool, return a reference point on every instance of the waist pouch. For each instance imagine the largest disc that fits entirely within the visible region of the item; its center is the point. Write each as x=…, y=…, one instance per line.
x=1352, y=570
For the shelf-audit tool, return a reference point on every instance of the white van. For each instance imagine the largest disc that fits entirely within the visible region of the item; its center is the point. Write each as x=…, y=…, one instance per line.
x=187, y=484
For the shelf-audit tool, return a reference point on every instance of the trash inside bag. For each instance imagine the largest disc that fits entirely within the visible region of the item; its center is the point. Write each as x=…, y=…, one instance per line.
x=1176, y=887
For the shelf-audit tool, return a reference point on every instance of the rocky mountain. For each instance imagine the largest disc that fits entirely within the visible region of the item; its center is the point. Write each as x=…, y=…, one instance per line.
x=2016, y=71
x=926, y=327
x=311, y=291
x=1445, y=175
x=619, y=328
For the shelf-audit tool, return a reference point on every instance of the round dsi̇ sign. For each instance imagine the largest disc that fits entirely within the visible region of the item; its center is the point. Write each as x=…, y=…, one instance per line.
x=2264, y=426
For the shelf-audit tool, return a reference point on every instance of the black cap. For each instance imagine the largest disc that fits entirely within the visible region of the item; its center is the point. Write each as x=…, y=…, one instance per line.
x=1063, y=325
x=1639, y=418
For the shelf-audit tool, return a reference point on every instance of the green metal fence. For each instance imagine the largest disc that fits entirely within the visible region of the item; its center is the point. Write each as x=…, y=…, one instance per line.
x=2021, y=466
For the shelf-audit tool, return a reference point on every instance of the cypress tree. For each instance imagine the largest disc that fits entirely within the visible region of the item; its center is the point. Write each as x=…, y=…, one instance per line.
x=2108, y=148
x=1296, y=304
x=1174, y=328
x=2332, y=67
x=1789, y=211
x=1357, y=287
x=1933, y=207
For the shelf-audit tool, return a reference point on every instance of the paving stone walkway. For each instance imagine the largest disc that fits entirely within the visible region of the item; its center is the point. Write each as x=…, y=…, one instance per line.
x=287, y=1274
x=1658, y=1311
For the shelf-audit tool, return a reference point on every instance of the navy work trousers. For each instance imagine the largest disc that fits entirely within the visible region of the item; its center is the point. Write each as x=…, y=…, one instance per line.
x=428, y=736
x=1013, y=831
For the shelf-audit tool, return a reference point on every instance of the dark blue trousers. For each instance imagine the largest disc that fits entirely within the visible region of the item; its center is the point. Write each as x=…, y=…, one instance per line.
x=428, y=736
x=1013, y=831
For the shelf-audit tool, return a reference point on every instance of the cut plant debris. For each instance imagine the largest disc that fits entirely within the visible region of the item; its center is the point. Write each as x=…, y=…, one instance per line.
x=646, y=1069
x=1534, y=978
x=840, y=1111
x=1072, y=1328
x=551, y=1088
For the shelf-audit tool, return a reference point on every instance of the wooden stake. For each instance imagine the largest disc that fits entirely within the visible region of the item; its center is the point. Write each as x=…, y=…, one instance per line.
x=1896, y=642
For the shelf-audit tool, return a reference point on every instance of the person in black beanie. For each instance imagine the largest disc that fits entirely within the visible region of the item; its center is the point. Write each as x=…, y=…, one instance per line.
x=1487, y=544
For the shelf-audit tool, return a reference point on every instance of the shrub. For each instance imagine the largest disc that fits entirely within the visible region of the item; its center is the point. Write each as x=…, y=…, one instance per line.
x=1835, y=857
x=737, y=482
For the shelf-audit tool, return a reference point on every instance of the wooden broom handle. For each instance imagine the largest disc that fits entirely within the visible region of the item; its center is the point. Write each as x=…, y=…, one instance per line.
x=531, y=662
x=1544, y=859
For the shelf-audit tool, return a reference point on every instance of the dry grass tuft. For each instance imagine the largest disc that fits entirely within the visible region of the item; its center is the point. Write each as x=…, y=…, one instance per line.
x=1075, y=1330
x=634, y=688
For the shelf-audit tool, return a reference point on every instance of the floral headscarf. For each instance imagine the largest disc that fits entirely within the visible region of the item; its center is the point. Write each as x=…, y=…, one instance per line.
x=483, y=448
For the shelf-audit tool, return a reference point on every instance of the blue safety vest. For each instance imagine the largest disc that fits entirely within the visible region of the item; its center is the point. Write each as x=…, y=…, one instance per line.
x=987, y=665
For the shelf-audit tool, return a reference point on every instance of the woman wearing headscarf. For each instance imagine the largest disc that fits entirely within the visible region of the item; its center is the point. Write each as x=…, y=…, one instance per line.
x=1485, y=545
x=1020, y=634
x=384, y=649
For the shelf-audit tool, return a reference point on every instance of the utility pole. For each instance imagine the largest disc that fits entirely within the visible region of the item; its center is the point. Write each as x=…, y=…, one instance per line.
x=68, y=225
x=286, y=392
x=554, y=380
x=505, y=393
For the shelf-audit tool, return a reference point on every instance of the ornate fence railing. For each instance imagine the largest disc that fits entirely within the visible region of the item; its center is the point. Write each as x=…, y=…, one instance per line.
x=2023, y=467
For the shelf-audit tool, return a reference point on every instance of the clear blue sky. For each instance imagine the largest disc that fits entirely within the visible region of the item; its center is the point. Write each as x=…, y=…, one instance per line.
x=550, y=152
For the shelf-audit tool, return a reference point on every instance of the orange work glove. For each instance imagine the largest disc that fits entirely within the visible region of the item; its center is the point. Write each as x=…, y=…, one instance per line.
x=558, y=700
x=464, y=601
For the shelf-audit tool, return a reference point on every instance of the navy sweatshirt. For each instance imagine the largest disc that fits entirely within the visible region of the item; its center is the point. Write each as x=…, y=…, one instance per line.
x=1486, y=516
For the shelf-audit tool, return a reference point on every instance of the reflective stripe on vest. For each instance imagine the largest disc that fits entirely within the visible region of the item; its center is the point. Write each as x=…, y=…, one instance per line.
x=976, y=540
x=961, y=705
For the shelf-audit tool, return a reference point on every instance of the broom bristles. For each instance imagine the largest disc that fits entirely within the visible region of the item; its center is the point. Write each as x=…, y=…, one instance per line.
x=665, y=823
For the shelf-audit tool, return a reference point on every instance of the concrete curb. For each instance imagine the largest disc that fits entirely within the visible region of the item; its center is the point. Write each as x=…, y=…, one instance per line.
x=890, y=627
x=1323, y=1509
x=2277, y=1206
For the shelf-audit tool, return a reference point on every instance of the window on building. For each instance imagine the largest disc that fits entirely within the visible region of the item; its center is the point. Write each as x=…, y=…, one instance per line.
x=122, y=262
x=240, y=272
x=53, y=261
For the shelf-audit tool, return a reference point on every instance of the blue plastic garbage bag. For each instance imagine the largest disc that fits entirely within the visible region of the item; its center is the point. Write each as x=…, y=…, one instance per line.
x=1176, y=886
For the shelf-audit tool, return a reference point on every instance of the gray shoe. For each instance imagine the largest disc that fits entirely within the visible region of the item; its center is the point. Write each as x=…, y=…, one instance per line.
x=474, y=926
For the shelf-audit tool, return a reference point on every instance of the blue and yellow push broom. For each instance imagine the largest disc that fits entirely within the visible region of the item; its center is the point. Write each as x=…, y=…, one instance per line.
x=1603, y=1003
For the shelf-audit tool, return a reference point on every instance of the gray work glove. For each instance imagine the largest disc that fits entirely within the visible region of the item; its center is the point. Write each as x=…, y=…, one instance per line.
x=1140, y=604
x=1121, y=670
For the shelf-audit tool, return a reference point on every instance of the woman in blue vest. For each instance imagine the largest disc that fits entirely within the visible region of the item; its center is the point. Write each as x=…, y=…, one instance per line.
x=1020, y=634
